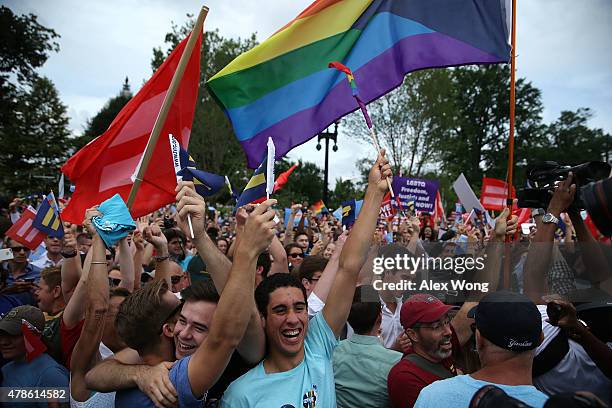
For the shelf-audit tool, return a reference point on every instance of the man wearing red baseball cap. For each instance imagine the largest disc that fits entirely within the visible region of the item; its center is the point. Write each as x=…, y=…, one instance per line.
x=434, y=337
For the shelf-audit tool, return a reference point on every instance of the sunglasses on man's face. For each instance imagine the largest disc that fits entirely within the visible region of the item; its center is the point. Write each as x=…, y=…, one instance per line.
x=299, y=255
x=114, y=281
x=19, y=249
x=175, y=279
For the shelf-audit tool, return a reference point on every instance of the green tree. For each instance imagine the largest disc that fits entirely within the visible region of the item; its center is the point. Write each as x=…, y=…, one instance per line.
x=305, y=183
x=102, y=120
x=574, y=141
x=33, y=123
x=43, y=137
x=344, y=190
x=405, y=121
x=212, y=144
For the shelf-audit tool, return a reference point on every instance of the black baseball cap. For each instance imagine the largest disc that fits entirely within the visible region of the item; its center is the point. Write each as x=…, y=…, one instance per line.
x=508, y=320
x=11, y=322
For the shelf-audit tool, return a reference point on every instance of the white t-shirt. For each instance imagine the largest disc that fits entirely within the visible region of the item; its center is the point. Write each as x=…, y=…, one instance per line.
x=390, y=326
x=575, y=372
x=315, y=305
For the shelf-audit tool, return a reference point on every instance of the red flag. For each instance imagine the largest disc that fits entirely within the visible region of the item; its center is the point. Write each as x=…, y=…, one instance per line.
x=282, y=178
x=494, y=194
x=523, y=214
x=24, y=232
x=105, y=166
x=439, y=211
x=33, y=343
x=387, y=210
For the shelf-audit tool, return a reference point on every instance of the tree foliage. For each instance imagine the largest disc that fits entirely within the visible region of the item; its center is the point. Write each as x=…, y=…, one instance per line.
x=33, y=122
x=444, y=122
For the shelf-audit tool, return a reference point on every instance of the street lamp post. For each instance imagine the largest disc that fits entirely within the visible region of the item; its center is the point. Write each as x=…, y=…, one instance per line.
x=327, y=136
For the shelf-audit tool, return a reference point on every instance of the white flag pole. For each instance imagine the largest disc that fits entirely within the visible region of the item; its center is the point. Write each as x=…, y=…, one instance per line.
x=175, y=150
x=270, y=168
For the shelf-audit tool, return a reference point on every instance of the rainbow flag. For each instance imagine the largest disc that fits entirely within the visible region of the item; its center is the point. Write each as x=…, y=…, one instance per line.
x=284, y=89
x=319, y=208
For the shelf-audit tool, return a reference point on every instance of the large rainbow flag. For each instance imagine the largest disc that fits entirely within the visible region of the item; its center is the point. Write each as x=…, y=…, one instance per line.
x=283, y=88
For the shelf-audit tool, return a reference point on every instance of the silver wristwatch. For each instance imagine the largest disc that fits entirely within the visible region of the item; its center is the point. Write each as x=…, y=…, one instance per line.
x=548, y=218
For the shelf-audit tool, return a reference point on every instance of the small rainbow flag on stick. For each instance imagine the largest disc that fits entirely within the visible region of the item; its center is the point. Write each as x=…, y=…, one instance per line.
x=319, y=208
x=366, y=116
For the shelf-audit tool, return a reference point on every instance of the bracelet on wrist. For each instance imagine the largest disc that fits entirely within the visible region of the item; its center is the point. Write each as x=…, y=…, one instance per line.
x=161, y=258
x=68, y=254
x=98, y=262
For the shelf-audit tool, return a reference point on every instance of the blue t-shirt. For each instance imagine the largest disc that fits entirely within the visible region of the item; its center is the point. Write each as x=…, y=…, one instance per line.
x=458, y=392
x=312, y=381
x=43, y=371
x=180, y=380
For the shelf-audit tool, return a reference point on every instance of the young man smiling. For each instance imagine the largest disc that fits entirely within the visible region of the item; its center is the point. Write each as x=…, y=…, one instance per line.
x=297, y=369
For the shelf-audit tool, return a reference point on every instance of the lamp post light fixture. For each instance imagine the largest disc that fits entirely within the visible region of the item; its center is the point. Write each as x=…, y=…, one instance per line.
x=327, y=135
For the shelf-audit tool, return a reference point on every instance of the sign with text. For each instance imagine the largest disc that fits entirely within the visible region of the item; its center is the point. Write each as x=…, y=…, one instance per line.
x=422, y=192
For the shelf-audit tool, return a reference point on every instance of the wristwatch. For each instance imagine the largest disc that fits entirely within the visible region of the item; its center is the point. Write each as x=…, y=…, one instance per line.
x=548, y=218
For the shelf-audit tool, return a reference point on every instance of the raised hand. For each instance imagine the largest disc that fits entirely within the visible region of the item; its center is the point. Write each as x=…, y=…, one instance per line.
x=259, y=229
x=190, y=202
x=154, y=235
x=563, y=196
x=89, y=214
x=380, y=172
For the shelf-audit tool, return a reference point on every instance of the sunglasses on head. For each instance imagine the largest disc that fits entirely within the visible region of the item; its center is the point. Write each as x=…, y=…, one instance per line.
x=19, y=249
x=299, y=255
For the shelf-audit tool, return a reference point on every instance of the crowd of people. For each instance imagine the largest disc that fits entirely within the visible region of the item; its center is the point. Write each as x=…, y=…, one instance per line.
x=198, y=308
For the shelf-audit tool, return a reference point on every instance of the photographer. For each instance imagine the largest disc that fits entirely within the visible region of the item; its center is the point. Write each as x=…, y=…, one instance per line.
x=541, y=251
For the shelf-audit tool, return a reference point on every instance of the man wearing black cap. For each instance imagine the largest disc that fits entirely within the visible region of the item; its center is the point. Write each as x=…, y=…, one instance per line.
x=24, y=369
x=508, y=330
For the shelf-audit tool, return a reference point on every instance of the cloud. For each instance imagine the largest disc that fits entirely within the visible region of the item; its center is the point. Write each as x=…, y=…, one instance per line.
x=563, y=47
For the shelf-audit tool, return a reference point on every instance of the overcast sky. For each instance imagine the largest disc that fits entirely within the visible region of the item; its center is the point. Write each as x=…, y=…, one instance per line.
x=564, y=47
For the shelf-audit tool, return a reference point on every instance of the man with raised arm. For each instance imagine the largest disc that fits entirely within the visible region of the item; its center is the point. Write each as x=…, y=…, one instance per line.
x=146, y=318
x=297, y=370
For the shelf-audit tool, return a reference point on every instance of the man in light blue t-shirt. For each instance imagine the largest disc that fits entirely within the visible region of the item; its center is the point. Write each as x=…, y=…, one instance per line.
x=297, y=370
x=508, y=330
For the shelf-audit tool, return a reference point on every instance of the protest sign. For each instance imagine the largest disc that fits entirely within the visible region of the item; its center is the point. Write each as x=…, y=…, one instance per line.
x=422, y=192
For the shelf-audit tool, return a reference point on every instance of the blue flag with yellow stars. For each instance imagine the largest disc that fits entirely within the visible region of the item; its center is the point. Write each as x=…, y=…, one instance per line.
x=255, y=190
x=349, y=209
x=206, y=184
x=47, y=218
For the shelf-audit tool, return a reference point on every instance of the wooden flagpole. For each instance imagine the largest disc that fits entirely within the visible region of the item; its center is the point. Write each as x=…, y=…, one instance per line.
x=506, y=279
x=165, y=108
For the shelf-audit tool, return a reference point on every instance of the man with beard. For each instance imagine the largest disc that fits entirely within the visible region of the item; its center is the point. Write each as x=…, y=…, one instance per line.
x=508, y=330
x=432, y=335
x=297, y=370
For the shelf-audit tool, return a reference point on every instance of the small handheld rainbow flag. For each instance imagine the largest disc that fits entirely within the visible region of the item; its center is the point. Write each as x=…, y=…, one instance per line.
x=319, y=208
x=354, y=90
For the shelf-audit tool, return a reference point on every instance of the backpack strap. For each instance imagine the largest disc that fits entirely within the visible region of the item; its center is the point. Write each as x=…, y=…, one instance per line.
x=436, y=369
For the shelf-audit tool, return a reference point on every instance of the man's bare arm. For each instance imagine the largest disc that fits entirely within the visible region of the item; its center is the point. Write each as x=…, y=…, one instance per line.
x=237, y=301
x=357, y=245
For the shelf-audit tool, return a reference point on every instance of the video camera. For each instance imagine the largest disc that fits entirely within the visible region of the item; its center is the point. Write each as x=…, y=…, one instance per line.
x=542, y=180
x=593, y=189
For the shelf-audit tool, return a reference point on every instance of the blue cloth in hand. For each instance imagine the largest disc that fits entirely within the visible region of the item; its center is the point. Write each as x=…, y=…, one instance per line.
x=115, y=222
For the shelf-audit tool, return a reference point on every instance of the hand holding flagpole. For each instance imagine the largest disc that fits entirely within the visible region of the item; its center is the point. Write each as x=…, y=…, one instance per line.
x=364, y=111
